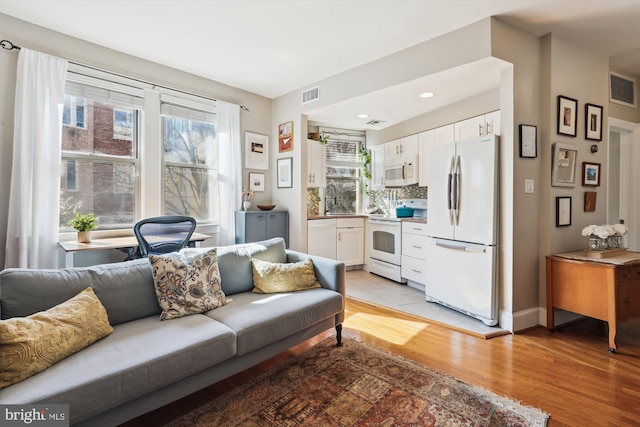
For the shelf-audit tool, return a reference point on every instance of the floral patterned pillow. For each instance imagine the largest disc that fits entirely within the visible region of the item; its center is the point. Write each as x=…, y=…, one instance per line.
x=187, y=285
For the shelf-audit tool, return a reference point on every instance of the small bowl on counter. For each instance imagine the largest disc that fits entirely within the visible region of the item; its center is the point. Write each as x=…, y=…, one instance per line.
x=404, y=212
x=266, y=207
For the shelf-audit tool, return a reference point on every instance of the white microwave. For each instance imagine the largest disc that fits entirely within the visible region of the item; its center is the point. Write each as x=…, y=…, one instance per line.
x=405, y=173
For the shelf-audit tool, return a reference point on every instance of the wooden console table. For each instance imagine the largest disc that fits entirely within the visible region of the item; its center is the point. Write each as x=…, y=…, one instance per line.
x=607, y=289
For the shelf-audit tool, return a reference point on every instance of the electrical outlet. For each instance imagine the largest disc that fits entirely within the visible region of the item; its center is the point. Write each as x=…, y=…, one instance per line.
x=528, y=186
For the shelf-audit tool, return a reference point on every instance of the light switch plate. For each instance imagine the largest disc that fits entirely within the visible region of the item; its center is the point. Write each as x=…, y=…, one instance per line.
x=528, y=186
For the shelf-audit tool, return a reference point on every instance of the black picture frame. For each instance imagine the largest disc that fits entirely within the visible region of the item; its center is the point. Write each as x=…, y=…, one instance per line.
x=593, y=122
x=563, y=211
x=567, y=116
x=528, y=141
x=591, y=174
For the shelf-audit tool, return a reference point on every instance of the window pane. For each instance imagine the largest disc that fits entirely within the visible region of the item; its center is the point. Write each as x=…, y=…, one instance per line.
x=104, y=189
x=189, y=142
x=96, y=135
x=191, y=191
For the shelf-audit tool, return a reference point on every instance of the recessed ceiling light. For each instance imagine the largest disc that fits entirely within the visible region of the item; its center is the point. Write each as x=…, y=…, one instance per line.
x=426, y=95
x=363, y=116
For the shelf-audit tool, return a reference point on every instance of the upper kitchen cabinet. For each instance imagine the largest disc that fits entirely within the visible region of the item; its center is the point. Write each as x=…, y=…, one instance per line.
x=377, y=167
x=401, y=150
x=315, y=164
x=483, y=125
x=426, y=141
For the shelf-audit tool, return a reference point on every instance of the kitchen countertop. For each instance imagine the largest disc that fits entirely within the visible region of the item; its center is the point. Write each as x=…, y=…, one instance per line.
x=417, y=219
x=311, y=217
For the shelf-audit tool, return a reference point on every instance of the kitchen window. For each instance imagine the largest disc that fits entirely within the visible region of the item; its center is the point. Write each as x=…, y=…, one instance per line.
x=343, y=170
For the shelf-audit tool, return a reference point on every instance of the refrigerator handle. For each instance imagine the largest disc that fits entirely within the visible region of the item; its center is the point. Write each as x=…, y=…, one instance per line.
x=456, y=190
x=450, y=185
x=460, y=248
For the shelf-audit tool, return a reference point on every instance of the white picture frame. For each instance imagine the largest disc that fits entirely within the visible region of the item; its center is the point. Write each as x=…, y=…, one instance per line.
x=563, y=167
x=256, y=151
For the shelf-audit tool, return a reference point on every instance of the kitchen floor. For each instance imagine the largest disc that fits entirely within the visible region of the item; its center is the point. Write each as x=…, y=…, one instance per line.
x=368, y=287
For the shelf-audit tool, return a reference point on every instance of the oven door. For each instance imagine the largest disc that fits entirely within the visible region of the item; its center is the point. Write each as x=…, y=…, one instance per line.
x=384, y=240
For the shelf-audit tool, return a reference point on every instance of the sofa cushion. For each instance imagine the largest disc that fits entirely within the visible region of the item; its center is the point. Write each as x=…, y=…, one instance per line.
x=187, y=284
x=29, y=345
x=261, y=319
x=272, y=277
x=137, y=358
x=124, y=288
x=234, y=262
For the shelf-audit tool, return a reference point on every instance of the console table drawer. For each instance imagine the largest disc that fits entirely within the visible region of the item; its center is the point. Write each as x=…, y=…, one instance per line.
x=628, y=302
x=629, y=274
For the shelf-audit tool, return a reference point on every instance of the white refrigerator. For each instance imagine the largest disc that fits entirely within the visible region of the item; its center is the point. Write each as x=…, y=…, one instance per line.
x=462, y=227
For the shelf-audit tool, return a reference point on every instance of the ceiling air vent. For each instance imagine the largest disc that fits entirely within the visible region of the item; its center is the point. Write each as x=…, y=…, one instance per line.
x=374, y=122
x=623, y=89
x=311, y=95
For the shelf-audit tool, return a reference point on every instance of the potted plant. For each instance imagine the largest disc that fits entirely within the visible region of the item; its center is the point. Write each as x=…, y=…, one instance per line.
x=83, y=224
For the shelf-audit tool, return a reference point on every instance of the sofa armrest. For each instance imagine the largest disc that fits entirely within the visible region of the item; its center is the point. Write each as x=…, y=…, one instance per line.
x=330, y=273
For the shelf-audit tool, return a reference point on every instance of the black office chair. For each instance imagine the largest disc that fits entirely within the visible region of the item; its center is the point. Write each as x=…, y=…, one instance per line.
x=163, y=234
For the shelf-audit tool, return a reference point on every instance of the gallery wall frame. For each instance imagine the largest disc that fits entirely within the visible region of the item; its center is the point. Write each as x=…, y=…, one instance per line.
x=563, y=211
x=256, y=181
x=528, y=141
x=285, y=172
x=590, y=201
x=591, y=174
x=563, y=165
x=285, y=137
x=256, y=151
x=593, y=122
x=567, y=116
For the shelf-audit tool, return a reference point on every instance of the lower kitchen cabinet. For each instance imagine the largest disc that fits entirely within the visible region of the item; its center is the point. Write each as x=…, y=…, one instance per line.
x=254, y=226
x=341, y=239
x=414, y=259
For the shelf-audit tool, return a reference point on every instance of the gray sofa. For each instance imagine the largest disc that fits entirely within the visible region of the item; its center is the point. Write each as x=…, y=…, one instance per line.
x=147, y=363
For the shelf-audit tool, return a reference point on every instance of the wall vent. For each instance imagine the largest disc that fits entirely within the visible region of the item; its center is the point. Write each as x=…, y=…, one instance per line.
x=310, y=95
x=374, y=122
x=622, y=89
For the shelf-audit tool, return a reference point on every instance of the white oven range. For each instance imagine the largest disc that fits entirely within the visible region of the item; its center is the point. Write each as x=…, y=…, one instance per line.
x=385, y=247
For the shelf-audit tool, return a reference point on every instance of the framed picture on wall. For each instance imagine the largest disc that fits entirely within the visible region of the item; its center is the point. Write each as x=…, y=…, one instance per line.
x=256, y=151
x=593, y=122
x=563, y=166
x=567, y=115
x=285, y=137
x=590, y=174
x=256, y=181
x=528, y=141
x=563, y=211
x=590, y=201
x=285, y=172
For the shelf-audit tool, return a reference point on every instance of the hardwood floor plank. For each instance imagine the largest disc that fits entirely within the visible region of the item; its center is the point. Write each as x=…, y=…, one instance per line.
x=567, y=373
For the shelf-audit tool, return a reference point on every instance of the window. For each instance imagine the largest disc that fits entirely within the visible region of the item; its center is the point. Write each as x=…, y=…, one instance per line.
x=343, y=170
x=99, y=167
x=190, y=159
x=73, y=114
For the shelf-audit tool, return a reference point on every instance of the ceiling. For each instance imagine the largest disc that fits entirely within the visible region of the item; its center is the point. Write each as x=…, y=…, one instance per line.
x=273, y=47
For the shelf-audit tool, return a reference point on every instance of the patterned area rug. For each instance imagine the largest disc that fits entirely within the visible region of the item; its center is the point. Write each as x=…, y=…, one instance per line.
x=358, y=385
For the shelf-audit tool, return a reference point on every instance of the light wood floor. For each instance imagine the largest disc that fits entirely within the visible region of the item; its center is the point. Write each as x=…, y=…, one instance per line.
x=567, y=373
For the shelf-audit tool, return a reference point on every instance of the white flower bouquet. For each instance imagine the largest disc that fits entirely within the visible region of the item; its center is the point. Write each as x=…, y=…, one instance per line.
x=604, y=236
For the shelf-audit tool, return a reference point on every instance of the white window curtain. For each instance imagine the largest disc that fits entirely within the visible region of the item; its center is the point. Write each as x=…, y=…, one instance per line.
x=32, y=230
x=229, y=169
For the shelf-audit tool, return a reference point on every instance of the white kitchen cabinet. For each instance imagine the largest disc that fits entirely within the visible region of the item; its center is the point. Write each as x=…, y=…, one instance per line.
x=483, y=125
x=321, y=237
x=350, y=241
x=414, y=258
x=426, y=141
x=377, y=167
x=341, y=239
x=315, y=164
x=400, y=150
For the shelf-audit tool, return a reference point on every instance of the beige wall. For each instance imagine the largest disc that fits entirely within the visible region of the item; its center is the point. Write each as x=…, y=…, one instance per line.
x=37, y=38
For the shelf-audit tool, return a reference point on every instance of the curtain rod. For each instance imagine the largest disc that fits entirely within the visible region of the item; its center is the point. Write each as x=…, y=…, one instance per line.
x=8, y=45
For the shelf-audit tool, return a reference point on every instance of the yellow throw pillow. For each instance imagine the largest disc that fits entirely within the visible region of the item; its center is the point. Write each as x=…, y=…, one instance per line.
x=187, y=284
x=29, y=345
x=271, y=277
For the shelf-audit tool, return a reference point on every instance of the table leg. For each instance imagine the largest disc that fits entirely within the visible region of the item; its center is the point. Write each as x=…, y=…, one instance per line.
x=613, y=331
x=68, y=259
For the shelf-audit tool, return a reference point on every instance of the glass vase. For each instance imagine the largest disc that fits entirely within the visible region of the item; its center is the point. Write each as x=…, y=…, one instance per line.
x=597, y=244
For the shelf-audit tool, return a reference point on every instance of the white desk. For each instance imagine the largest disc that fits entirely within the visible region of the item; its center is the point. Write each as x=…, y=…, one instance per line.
x=126, y=244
